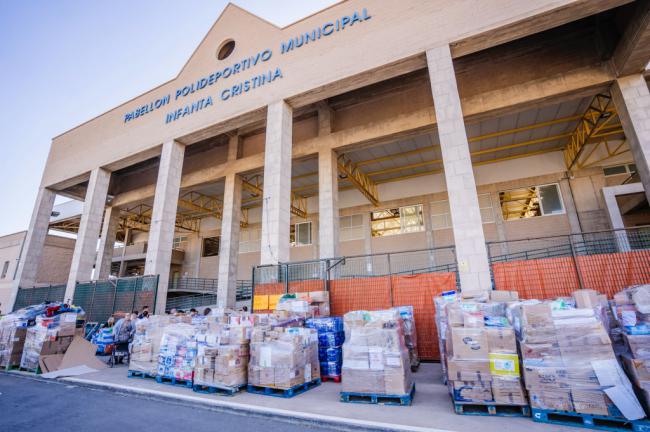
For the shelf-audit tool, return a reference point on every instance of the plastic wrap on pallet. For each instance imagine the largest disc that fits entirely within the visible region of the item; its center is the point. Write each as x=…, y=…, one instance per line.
x=481, y=353
x=13, y=330
x=146, y=342
x=178, y=348
x=569, y=362
x=49, y=335
x=410, y=333
x=223, y=351
x=375, y=356
x=283, y=357
x=325, y=324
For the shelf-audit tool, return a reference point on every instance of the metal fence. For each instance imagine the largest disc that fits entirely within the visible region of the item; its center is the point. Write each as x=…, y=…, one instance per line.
x=99, y=299
x=368, y=282
x=545, y=267
x=203, y=292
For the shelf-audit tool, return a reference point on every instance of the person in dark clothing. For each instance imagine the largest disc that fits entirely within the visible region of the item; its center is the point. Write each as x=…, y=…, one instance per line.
x=145, y=313
x=207, y=311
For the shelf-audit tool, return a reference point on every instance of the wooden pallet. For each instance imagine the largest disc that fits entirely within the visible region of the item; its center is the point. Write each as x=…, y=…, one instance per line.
x=590, y=421
x=491, y=409
x=140, y=374
x=36, y=371
x=11, y=367
x=174, y=381
x=217, y=389
x=283, y=393
x=381, y=399
x=336, y=379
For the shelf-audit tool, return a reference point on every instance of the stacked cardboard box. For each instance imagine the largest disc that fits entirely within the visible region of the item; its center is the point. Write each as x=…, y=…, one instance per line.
x=49, y=336
x=375, y=356
x=178, y=349
x=569, y=363
x=223, y=351
x=441, y=303
x=13, y=331
x=631, y=308
x=318, y=303
x=146, y=342
x=283, y=357
x=482, y=359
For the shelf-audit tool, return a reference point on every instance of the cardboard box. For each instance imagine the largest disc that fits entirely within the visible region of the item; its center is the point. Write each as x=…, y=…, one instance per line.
x=472, y=391
x=362, y=381
x=468, y=370
x=638, y=345
x=638, y=370
x=537, y=315
x=469, y=343
x=503, y=296
x=590, y=402
x=261, y=302
x=504, y=365
x=501, y=340
x=507, y=390
x=556, y=400
x=586, y=298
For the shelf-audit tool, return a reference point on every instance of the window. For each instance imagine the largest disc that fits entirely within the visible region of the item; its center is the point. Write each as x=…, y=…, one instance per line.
x=619, y=169
x=210, y=246
x=441, y=214
x=300, y=234
x=225, y=49
x=531, y=201
x=180, y=243
x=401, y=220
x=5, y=268
x=249, y=240
x=351, y=227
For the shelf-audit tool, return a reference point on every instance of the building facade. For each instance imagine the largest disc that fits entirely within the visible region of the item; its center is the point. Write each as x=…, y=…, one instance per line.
x=368, y=127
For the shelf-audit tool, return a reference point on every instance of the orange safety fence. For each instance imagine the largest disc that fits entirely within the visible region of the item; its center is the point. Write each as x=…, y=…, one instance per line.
x=418, y=291
x=376, y=293
x=553, y=277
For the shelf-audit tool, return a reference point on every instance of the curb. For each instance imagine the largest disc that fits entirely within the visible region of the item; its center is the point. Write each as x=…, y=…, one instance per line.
x=318, y=420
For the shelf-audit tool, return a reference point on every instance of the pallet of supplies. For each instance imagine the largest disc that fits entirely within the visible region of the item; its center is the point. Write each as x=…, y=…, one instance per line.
x=483, y=368
x=143, y=360
x=410, y=334
x=50, y=336
x=375, y=358
x=569, y=364
x=177, y=355
x=283, y=360
x=222, y=354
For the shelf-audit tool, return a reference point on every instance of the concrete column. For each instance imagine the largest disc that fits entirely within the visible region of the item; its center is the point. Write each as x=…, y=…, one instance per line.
x=33, y=243
x=632, y=100
x=469, y=238
x=163, y=220
x=276, y=214
x=328, y=204
x=85, y=248
x=127, y=240
x=229, y=244
x=570, y=206
x=107, y=243
x=499, y=223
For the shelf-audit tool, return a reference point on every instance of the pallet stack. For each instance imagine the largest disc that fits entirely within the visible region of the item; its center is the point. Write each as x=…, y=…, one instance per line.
x=143, y=361
x=177, y=356
x=483, y=373
x=284, y=360
x=223, y=354
x=13, y=331
x=376, y=363
x=49, y=336
x=571, y=372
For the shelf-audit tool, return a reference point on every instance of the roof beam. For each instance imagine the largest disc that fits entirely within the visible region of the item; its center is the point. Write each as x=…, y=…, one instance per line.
x=298, y=203
x=358, y=178
x=597, y=115
x=632, y=53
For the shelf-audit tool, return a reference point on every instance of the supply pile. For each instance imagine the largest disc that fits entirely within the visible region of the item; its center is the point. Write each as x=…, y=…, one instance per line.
x=178, y=349
x=568, y=360
x=375, y=356
x=631, y=308
x=146, y=342
x=481, y=348
x=283, y=357
x=223, y=350
x=13, y=330
x=410, y=334
x=330, y=344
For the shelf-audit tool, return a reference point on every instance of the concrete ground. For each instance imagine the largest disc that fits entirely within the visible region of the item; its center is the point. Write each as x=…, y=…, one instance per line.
x=28, y=404
x=431, y=410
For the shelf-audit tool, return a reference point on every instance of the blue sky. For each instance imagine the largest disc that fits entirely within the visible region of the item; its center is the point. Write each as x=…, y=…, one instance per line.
x=63, y=62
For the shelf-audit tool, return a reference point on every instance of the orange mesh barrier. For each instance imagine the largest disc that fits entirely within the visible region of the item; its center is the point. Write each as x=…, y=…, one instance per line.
x=610, y=273
x=418, y=291
x=269, y=288
x=554, y=277
x=307, y=286
x=542, y=278
x=372, y=293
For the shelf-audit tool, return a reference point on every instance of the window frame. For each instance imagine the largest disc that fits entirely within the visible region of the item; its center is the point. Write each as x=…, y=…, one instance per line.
x=627, y=166
x=203, y=241
x=250, y=245
x=400, y=217
x=293, y=232
x=5, y=269
x=351, y=228
x=449, y=221
x=539, y=198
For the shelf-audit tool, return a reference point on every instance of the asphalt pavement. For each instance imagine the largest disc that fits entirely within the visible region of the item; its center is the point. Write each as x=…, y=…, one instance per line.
x=28, y=404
